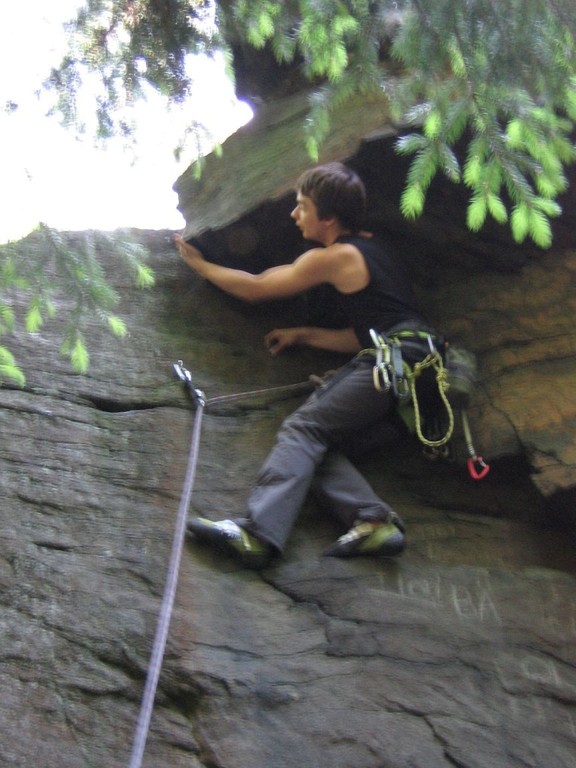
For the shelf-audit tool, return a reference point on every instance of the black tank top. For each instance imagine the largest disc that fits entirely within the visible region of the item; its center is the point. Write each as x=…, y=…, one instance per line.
x=387, y=300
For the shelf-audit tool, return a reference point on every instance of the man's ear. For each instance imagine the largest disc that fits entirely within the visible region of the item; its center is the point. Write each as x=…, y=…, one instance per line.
x=330, y=221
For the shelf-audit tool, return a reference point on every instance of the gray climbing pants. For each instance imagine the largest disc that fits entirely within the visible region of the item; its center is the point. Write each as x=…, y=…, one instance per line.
x=310, y=456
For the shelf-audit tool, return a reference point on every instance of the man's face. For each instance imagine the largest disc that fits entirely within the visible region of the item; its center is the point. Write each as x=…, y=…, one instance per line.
x=305, y=214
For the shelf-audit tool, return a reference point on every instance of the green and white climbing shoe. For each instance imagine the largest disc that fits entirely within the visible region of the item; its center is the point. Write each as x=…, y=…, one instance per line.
x=228, y=536
x=369, y=538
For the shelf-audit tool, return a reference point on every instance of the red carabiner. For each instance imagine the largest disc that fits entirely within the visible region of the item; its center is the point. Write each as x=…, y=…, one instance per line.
x=477, y=467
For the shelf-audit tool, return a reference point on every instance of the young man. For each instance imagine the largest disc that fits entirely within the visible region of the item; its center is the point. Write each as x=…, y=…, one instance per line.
x=370, y=290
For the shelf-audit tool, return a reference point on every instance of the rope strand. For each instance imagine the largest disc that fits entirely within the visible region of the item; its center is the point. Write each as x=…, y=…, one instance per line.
x=292, y=389
x=163, y=624
x=166, y=608
x=435, y=360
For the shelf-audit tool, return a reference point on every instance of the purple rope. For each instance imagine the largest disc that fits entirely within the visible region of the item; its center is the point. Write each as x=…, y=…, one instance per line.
x=163, y=625
x=157, y=656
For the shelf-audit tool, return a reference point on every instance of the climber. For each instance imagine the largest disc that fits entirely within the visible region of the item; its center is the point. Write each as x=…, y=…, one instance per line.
x=369, y=288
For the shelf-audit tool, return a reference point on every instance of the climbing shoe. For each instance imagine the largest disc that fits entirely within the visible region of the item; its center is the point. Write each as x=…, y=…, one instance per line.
x=369, y=538
x=228, y=536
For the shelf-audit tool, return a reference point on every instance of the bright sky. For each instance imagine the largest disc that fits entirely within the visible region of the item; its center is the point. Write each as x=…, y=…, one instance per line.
x=47, y=174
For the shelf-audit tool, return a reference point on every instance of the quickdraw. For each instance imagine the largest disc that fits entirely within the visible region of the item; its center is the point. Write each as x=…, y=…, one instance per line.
x=477, y=467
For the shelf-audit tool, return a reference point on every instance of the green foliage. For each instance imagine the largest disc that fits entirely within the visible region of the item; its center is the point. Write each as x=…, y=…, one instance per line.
x=76, y=350
x=63, y=274
x=488, y=89
x=259, y=20
x=484, y=93
x=512, y=71
x=131, y=45
x=8, y=368
x=498, y=80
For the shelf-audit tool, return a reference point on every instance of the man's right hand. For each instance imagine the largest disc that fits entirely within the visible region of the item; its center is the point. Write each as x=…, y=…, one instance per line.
x=334, y=340
x=281, y=338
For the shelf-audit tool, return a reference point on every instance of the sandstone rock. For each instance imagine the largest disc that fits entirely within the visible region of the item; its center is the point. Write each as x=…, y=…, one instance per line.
x=263, y=159
x=518, y=317
x=461, y=652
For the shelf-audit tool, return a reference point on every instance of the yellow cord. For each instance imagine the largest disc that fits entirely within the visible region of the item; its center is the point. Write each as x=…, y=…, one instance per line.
x=434, y=359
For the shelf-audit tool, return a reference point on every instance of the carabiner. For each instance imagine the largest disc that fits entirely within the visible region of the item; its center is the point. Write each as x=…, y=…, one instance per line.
x=182, y=373
x=400, y=385
x=477, y=467
x=380, y=377
x=185, y=376
x=380, y=372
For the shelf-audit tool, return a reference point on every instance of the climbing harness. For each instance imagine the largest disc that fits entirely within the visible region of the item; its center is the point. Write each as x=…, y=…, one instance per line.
x=392, y=372
x=454, y=379
x=161, y=636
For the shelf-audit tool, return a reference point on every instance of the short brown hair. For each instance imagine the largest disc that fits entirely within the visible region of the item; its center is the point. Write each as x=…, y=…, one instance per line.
x=336, y=190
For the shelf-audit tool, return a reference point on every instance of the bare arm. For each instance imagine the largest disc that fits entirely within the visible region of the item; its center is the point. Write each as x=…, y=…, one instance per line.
x=337, y=265
x=335, y=340
x=274, y=283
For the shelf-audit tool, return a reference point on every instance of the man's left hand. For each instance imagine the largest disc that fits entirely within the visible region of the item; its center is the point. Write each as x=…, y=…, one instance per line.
x=191, y=255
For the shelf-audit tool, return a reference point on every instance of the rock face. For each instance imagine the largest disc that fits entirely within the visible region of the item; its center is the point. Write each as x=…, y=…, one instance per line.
x=512, y=305
x=262, y=160
x=460, y=652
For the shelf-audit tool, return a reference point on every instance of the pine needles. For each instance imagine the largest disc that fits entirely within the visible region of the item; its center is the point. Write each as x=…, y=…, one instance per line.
x=503, y=77
x=498, y=78
x=47, y=274
x=495, y=76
